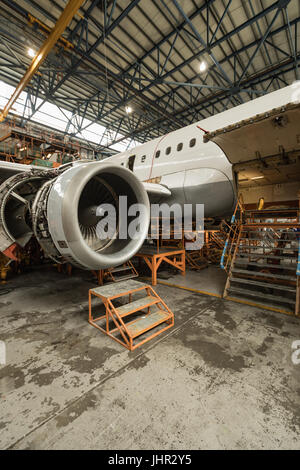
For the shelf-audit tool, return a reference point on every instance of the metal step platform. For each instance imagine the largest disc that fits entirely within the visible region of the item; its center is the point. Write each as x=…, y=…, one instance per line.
x=134, y=322
x=245, y=262
x=261, y=274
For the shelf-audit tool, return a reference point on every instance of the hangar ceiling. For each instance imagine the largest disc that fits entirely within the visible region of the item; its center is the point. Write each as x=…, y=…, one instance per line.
x=146, y=55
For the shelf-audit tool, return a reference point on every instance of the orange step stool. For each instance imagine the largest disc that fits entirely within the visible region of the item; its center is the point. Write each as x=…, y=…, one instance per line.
x=131, y=324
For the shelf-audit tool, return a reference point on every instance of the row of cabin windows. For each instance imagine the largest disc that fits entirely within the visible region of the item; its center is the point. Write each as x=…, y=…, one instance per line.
x=168, y=149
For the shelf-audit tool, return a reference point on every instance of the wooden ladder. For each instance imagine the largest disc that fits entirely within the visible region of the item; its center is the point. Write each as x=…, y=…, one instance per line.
x=135, y=322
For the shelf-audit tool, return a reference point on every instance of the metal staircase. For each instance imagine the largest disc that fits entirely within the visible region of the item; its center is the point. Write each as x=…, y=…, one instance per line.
x=135, y=322
x=263, y=258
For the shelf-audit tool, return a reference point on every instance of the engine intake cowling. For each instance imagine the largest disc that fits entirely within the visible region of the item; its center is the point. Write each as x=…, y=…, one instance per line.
x=72, y=216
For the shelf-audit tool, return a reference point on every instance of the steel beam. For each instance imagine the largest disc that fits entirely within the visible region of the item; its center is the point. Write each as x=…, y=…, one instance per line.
x=63, y=21
x=178, y=105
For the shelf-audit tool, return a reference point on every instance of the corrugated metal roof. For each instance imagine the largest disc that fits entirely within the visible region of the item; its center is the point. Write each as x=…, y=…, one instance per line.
x=146, y=55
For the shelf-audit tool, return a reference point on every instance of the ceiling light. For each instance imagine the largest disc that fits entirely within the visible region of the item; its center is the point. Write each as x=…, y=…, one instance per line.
x=30, y=52
x=257, y=177
x=128, y=109
x=203, y=66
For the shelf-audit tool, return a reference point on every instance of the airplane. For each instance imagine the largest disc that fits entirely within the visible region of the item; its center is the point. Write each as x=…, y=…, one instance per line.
x=59, y=206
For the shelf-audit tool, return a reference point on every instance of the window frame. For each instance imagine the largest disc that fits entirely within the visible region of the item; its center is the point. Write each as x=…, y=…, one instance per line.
x=192, y=142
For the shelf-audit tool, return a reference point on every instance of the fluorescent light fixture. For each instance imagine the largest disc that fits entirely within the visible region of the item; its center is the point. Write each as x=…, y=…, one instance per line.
x=128, y=109
x=31, y=52
x=257, y=177
x=203, y=66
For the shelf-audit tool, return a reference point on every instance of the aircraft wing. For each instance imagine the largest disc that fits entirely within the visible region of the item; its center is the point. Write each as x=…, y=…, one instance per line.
x=8, y=169
x=156, y=191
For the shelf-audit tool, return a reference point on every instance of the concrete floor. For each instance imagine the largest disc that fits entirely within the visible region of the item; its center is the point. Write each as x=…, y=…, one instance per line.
x=222, y=378
x=208, y=280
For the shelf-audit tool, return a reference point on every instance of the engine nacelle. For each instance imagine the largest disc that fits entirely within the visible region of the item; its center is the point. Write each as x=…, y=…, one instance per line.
x=16, y=196
x=62, y=213
x=72, y=217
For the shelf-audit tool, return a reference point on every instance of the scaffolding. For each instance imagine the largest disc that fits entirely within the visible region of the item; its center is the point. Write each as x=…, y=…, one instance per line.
x=262, y=258
x=37, y=146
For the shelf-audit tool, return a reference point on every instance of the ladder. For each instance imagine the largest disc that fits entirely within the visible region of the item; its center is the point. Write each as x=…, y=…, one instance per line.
x=121, y=273
x=116, y=274
x=195, y=260
x=264, y=264
x=135, y=322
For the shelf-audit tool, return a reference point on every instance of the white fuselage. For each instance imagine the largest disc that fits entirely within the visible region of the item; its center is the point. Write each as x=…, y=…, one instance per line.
x=179, y=151
x=194, y=171
x=61, y=204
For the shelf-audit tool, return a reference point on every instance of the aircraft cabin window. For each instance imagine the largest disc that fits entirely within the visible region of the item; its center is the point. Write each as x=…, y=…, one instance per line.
x=192, y=143
x=157, y=155
x=143, y=158
x=179, y=147
x=168, y=150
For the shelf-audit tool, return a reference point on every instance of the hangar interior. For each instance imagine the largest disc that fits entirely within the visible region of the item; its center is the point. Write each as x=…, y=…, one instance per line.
x=169, y=348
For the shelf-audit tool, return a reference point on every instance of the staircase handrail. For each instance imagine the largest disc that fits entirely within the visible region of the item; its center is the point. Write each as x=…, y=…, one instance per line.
x=233, y=232
x=298, y=263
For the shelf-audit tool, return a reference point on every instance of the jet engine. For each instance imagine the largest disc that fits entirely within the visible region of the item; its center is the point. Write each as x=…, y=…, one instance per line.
x=61, y=209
